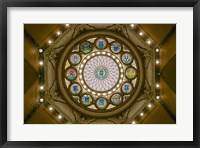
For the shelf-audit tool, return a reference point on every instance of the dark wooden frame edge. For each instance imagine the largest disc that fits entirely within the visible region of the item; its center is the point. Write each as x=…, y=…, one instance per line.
x=98, y=3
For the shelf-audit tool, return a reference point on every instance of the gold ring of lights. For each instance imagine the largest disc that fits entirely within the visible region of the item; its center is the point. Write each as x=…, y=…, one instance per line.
x=65, y=92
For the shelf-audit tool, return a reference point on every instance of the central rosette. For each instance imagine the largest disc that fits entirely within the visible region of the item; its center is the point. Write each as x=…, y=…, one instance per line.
x=101, y=73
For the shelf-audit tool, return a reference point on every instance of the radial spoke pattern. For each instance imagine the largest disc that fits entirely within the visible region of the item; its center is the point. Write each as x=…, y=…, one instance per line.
x=95, y=83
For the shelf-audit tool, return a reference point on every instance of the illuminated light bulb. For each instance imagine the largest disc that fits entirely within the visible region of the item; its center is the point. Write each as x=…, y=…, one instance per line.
x=80, y=70
x=93, y=93
x=157, y=61
x=141, y=33
x=41, y=63
x=109, y=92
x=82, y=81
x=120, y=65
x=40, y=50
x=118, y=85
x=98, y=52
x=113, y=57
x=157, y=49
x=80, y=76
x=133, y=122
x=157, y=85
x=82, y=65
x=109, y=54
x=49, y=41
x=157, y=97
x=84, y=61
x=98, y=94
x=122, y=76
x=88, y=57
x=50, y=108
x=93, y=54
x=121, y=70
x=89, y=90
x=104, y=52
x=120, y=81
x=67, y=25
x=104, y=94
x=117, y=61
x=149, y=105
x=59, y=117
x=132, y=25
x=114, y=89
x=41, y=87
x=84, y=86
x=58, y=32
x=142, y=114
x=148, y=42
x=41, y=100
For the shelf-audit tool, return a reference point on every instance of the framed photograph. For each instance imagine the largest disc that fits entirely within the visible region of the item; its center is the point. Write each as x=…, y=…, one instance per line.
x=99, y=74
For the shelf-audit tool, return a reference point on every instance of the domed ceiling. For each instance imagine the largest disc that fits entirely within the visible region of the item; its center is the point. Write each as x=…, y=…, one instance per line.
x=98, y=74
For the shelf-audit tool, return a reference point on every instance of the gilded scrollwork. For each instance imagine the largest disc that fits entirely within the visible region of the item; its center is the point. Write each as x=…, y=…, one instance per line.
x=81, y=119
x=121, y=118
x=54, y=54
x=122, y=29
x=81, y=28
x=147, y=55
x=147, y=92
x=53, y=93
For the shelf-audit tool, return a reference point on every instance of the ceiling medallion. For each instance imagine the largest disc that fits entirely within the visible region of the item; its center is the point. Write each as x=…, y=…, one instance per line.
x=100, y=74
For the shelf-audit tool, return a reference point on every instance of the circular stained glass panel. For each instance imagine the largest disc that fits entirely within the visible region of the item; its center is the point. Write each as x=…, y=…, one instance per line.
x=131, y=73
x=101, y=73
x=101, y=43
x=75, y=58
x=115, y=47
x=116, y=99
x=86, y=100
x=101, y=103
x=70, y=73
x=86, y=47
x=75, y=89
x=127, y=58
x=127, y=88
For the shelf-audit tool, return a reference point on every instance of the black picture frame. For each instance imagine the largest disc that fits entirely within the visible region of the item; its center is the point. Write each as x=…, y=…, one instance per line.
x=4, y=4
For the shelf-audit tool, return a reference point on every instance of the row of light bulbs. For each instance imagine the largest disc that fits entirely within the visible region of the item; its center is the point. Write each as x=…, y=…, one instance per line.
x=41, y=63
x=148, y=41
x=141, y=33
x=50, y=108
x=58, y=33
x=150, y=105
x=157, y=62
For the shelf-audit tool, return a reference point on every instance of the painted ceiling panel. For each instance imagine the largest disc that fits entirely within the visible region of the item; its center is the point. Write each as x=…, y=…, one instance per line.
x=41, y=116
x=30, y=75
x=158, y=116
x=41, y=32
x=157, y=31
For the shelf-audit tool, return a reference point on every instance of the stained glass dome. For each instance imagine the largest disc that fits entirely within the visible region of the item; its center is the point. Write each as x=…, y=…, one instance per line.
x=101, y=75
